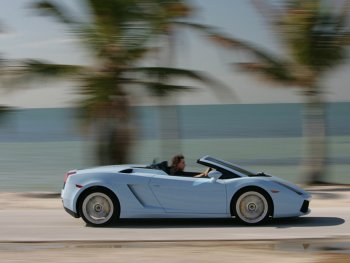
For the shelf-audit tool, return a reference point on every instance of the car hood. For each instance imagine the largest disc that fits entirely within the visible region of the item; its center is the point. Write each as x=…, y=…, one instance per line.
x=287, y=184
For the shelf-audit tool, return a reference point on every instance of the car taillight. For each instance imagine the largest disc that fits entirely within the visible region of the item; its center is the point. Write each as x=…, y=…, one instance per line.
x=68, y=174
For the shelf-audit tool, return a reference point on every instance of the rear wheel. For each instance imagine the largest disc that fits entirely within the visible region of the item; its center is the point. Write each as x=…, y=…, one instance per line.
x=98, y=208
x=252, y=207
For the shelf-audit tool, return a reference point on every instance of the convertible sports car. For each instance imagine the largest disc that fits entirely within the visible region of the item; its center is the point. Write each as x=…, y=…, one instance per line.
x=101, y=195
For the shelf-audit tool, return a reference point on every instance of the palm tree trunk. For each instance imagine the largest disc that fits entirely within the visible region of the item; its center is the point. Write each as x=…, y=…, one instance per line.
x=114, y=133
x=169, y=131
x=315, y=158
x=168, y=114
x=121, y=136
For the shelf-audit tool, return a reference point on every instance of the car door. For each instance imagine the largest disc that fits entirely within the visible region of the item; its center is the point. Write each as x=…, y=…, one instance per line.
x=179, y=194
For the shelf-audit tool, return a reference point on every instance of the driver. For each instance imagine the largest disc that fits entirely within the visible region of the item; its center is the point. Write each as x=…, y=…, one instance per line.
x=178, y=166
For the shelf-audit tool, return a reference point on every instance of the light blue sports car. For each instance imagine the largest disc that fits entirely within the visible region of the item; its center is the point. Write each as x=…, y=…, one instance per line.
x=102, y=195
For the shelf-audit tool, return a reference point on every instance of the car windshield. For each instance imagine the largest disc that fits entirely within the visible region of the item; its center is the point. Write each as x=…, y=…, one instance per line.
x=230, y=166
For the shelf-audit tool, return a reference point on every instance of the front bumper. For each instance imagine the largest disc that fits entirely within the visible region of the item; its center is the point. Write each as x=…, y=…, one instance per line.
x=305, y=207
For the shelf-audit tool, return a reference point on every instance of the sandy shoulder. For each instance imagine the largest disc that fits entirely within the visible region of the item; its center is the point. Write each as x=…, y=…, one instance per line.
x=29, y=201
x=329, y=196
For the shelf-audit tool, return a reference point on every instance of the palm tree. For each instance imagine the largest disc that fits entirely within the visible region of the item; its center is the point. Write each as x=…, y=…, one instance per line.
x=4, y=110
x=118, y=34
x=173, y=16
x=164, y=24
x=315, y=35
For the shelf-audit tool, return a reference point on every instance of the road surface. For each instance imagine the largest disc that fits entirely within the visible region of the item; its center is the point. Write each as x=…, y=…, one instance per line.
x=28, y=219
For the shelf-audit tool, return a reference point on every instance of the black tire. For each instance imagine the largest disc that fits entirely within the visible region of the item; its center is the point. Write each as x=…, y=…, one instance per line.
x=99, y=207
x=252, y=206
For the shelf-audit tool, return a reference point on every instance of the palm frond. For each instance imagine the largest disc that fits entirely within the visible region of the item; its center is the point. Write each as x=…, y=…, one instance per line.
x=343, y=17
x=193, y=25
x=175, y=9
x=53, y=9
x=161, y=89
x=270, y=13
x=166, y=74
x=230, y=42
x=35, y=70
x=270, y=73
x=45, y=68
x=115, y=17
x=315, y=37
x=319, y=29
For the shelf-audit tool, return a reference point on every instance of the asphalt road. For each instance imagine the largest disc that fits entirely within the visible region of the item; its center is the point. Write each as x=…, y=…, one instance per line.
x=41, y=225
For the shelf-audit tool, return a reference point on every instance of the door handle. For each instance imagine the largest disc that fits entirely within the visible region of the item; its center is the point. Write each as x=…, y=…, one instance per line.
x=156, y=185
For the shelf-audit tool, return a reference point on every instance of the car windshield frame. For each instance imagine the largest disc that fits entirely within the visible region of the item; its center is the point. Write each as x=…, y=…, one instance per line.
x=227, y=166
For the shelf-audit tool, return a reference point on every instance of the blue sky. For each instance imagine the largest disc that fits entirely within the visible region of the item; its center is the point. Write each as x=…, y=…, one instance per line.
x=27, y=35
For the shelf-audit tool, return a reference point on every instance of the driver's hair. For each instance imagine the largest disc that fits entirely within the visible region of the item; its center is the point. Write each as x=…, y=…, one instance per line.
x=174, y=162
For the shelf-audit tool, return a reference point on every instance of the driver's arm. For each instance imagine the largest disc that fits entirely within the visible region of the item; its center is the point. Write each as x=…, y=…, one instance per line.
x=205, y=173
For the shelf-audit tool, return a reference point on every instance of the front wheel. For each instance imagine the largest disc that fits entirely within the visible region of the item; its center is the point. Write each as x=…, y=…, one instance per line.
x=252, y=207
x=98, y=208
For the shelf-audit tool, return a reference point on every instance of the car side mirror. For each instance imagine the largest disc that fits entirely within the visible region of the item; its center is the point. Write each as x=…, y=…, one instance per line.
x=214, y=175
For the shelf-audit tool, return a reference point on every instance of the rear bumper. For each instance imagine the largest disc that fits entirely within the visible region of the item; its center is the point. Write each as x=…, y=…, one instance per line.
x=68, y=204
x=73, y=214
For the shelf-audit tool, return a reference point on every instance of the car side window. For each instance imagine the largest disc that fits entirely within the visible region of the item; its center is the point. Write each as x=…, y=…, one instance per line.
x=127, y=171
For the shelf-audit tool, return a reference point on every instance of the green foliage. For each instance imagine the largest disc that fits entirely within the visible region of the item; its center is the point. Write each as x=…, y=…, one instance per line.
x=160, y=89
x=314, y=34
x=165, y=73
x=119, y=36
x=52, y=9
x=41, y=68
